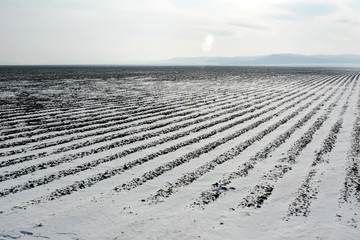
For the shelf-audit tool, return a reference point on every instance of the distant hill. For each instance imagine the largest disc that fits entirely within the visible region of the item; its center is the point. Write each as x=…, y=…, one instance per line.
x=274, y=59
x=265, y=60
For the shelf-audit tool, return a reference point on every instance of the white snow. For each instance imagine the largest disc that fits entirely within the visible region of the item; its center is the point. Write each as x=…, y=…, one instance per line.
x=100, y=212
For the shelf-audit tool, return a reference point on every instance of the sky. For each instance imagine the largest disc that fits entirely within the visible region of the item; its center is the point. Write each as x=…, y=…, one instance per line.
x=126, y=31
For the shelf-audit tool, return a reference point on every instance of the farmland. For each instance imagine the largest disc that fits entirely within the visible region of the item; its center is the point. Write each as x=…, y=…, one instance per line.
x=179, y=153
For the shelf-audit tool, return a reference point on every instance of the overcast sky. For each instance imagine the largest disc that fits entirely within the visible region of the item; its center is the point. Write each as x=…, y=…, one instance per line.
x=118, y=31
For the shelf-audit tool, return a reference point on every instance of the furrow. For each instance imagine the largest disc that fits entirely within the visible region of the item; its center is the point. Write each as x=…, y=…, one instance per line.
x=349, y=200
x=96, y=119
x=9, y=137
x=146, y=136
x=89, y=127
x=95, y=116
x=308, y=190
x=194, y=154
x=221, y=187
x=190, y=177
x=89, y=104
x=112, y=172
x=262, y=191
x=222, y=102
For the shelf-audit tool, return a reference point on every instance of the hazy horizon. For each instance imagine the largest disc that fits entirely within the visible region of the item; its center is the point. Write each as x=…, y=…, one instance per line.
x=120, y=32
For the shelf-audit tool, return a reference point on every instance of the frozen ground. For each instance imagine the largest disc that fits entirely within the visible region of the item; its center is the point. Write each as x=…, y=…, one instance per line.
x=179, y=153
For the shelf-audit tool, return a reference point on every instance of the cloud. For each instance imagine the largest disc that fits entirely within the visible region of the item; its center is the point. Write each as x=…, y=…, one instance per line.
x=249, y=26
x=304, y=10
x=355, y=5
x=223, y=33
x=190, y=4
x=347, y=21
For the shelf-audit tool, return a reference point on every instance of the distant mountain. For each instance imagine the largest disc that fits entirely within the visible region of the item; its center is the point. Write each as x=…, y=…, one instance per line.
x=274, y=59
x=265, y=60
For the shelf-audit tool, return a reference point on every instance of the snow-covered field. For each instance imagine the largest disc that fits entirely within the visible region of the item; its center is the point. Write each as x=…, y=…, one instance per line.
x=179, y=153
